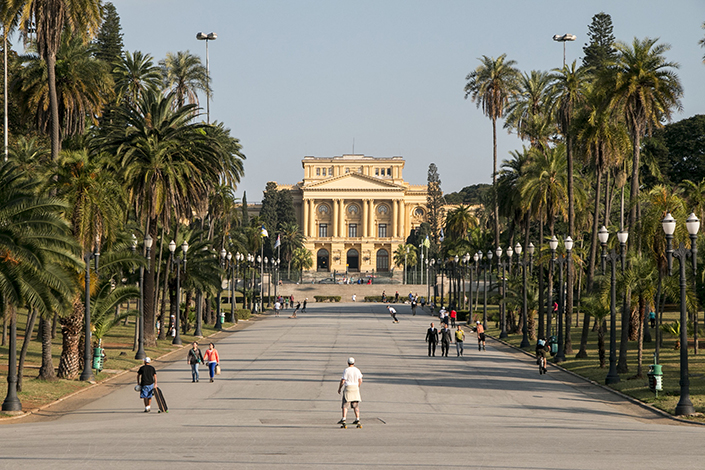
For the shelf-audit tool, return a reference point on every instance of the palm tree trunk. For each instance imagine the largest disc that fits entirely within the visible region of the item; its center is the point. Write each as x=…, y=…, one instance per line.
x=161, y=332
x=53, y=105
x=149, y=291
x=71, y=330
x=601, y=342
x=622, y=366
x=46, y=371
x=494, y=181
x=540, y=273
x=31, y=318
x=634, y=193
x=640, y=346
x=608, y=202
x=4, y=330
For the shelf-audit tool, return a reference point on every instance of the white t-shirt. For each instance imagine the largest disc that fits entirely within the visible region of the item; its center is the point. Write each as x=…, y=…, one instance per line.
x=351, y=375
x=277, y=306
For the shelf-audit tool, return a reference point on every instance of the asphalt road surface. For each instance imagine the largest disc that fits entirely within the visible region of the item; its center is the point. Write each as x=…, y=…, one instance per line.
x=276, y=406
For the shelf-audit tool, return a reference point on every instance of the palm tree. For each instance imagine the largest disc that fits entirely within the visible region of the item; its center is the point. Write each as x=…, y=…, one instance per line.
x=84, y=86
x=184, y=75
x=644, y=88
x=459, y=221
x=47, y=20
x=491, y=85
x=302, y=259
x=94, y=198
x=598, y=308
x=291, y=240
x=37, y=252
x=136, y=75
x=530, y=108
x=168, y=164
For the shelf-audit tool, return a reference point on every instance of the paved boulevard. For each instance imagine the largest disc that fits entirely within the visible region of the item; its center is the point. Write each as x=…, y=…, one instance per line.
x=275, y=406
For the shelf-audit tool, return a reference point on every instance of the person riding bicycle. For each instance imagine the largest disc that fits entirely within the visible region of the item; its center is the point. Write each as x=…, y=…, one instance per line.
x=541, y=355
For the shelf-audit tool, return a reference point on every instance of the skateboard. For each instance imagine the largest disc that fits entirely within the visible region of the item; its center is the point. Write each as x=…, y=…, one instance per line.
x=161, y=402
x=357, y=425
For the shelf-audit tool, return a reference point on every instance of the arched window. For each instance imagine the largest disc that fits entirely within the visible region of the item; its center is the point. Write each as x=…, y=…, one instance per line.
x=382, y=260
x=323, y=260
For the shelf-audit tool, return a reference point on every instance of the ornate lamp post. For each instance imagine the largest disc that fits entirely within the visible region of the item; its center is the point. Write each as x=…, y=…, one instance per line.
x=178, y=262
x=684, y=406
x=484, y=279
x=466, y=259
x=503, y=308
x=553, y=244
x=441, y=268
x=140, y=338
x=613, y=257
x=239, y=257
x=231, y=276
x=87, y=374
x=261, y=281
x=524, y=308
x=222, y=260
x=432, y=262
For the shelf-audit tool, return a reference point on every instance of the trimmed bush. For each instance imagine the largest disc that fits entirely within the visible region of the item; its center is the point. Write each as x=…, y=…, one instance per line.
x=327, y=298
x=242, y=313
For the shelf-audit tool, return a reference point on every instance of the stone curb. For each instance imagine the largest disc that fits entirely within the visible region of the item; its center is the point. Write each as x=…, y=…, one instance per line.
x=164, y=357
x=633, y=400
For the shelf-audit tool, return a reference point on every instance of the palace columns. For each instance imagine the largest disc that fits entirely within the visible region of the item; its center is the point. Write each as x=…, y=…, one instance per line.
x=335, y=217
x=365, y=211
x=395, y=218
x=312, y=218
x=402, y=220
x=371, y=221
x=341, y=222
x=305, y=209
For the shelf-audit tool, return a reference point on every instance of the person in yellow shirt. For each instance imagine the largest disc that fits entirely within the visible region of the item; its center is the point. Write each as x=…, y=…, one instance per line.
x=459, y=338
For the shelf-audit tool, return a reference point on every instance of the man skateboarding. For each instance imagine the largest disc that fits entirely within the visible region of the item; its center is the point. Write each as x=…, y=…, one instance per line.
x=393, y=313
x=147, y=379
x=350, y=384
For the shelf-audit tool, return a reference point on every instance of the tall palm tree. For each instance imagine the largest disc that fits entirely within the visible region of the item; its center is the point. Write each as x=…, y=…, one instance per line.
x=490, y=86
x=291, y=240
x=184, y=75
x=459, y=221
x=168, y=164
x=47, y=20
x=95, y=202
x=531, y=107
x=645, y=89
x=136, y=75
x=37, y=254
x=84, y=86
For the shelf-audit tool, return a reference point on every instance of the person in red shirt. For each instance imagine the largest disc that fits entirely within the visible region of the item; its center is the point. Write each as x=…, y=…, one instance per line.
x=212, y=359
x=453, y=316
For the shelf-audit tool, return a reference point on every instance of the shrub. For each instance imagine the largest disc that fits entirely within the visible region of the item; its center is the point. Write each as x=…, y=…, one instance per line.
x=242, y=313
x=327, y=298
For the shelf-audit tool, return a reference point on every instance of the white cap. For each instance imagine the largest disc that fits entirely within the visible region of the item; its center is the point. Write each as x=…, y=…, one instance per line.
x=147, y=360
x=351, y=360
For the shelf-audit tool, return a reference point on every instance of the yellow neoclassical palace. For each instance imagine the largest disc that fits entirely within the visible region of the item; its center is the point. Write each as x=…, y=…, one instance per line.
x=354, y=210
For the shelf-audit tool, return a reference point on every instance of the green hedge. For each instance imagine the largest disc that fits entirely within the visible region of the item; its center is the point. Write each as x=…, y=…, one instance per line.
x=327, y=298
x=242, y=313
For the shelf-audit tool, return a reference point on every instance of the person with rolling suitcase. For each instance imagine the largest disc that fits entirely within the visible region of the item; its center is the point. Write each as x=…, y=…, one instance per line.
x=147, y=380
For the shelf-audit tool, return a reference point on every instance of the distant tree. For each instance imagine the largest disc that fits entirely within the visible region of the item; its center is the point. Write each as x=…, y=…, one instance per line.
x=245, y=219
x=109, y=39
x=679, y=149
x=434, y=203
x=470, y=195
x=600, y=50
x=185, y=75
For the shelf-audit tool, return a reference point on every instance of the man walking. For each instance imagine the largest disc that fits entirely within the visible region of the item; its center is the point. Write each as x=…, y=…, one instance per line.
x=480, y=337
x=147, y=379
x=277, y=307
x=432, y=340
x=194, y=358
x=459, y=339
x=446, y=339
x=393, y=313
x=303, y=309
x=350, y=384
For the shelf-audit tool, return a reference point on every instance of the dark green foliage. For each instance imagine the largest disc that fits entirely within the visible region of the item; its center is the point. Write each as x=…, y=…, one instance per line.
x=276, y=213
x=599, y=51
x=679, y=149
x=245, y=220
x=470, y=195
x=327, y=298
x=434, y=203
x=109, y=39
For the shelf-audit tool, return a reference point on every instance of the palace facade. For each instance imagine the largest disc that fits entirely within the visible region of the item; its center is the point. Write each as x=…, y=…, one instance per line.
x=355, y=210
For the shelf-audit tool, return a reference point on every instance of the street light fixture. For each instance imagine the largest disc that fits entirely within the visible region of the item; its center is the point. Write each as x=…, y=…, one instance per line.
x=140, y=341
x=564, y=38
x=484, y=280
x=178, y=262
x=87, y=374
x=692, y=224
x=603, y=235
x=207, y=37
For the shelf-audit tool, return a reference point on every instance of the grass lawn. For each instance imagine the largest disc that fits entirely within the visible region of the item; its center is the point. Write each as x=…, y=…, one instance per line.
x=119, y=356
x=629, y=384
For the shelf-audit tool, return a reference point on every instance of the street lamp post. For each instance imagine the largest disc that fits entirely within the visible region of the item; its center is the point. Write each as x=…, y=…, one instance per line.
x=420, y=264
x=87, y=374
x=684, y=406
x=563, y=38
x=222, y=260
x=484, y=289
x=613, y=257
x=553, y=244
x=525, y=263
x=231, y=276
x=406, y=255
x=261, y=281
x=433, y=270
x=207, y=37
x=140, y=340
x=178, y=262
x=502, y=309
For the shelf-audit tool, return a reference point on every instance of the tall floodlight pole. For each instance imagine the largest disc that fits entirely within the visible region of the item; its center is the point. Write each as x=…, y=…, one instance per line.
x=207, y=37
x=4, y=49
x=563, y=39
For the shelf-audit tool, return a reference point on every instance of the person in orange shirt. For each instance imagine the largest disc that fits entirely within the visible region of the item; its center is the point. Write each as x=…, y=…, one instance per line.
x=212, y=359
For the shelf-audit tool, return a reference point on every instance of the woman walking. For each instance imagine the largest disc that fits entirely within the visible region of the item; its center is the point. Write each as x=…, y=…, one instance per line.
x=194, y=358
x=211, y=357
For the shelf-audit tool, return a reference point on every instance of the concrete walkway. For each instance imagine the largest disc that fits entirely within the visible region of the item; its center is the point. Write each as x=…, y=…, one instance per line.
x=275, y=406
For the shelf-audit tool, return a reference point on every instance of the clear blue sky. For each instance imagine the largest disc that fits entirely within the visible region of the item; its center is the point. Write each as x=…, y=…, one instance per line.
x=295, y=78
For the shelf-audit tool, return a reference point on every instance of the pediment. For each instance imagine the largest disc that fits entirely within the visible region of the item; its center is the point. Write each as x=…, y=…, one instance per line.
x=353, y=181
